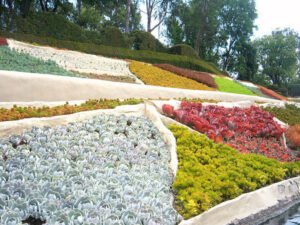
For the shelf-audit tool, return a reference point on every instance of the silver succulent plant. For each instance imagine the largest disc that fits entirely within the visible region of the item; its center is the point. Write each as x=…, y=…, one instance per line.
x=105, y=170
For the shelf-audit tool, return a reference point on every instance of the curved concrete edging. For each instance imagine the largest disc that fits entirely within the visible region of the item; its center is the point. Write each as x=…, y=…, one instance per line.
x=28, y=87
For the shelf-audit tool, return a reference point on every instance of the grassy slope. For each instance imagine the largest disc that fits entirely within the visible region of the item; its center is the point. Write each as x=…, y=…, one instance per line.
x=226, y=85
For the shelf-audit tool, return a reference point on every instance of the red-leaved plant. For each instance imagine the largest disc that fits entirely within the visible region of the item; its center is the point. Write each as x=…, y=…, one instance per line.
x=250, y=130
x=3, y=41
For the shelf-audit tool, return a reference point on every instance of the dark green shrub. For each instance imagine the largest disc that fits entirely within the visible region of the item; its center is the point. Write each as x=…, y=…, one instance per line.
x=50, y=25
x=112, y=36
x=182, y=49
x=294, y=90
x=142, y=40
x=122, y=53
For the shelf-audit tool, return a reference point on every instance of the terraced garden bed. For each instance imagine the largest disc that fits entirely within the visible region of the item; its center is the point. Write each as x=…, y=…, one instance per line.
x=210, y=173
x=105, y=170
x=15, y=61
x=152, y=75
x=250, y=130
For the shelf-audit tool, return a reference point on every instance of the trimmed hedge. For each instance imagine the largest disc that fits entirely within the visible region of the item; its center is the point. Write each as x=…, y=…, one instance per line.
x=152, y=75
x=182, y=49
x=209, y=173
x=142, y=40
x=294, y=90
x=290, y=114
x=122, y=53
x=226, y=85
x=201, y=77
x=47, y=24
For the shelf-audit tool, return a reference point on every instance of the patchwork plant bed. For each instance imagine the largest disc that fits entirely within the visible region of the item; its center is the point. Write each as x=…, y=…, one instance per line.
x=200, y=77
x=250, y=130
x=227, y=85
x=210, y=173
x=17, y=113
x=75, y=61
x=105, y=170
x=271, y=93
x=289, y=114
x=152, y=75
x=15, y=61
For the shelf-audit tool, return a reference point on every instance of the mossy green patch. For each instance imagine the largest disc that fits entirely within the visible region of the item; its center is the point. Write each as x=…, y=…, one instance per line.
x=226, y=85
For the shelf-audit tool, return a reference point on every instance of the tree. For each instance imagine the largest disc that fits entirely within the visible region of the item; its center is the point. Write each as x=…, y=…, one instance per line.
x=278, y=57
x=156, y=9
x=128, y=5
x=247, y=64
x=237, y=25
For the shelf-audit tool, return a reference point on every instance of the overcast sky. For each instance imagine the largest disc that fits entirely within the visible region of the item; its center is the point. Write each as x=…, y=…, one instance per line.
x=274, y=14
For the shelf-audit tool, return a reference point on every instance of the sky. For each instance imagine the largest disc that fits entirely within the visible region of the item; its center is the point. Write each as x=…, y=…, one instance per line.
x=274, y=14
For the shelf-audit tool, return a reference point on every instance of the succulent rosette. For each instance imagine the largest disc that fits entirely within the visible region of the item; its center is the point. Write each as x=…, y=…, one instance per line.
x=105, y=170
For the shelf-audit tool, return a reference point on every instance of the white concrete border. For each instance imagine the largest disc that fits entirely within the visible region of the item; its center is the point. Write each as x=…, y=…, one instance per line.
x=29, y=87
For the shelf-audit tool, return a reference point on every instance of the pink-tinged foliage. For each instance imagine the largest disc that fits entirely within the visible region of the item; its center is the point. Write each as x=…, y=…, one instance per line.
x=250, y=130
x=3, y=41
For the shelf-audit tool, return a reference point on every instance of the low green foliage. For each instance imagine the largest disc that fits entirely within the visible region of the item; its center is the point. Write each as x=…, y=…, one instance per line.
x=290, y=114
x=211, y=173
x=252, y=89
x=226, y=85
x=123, y=53
x=13, y=60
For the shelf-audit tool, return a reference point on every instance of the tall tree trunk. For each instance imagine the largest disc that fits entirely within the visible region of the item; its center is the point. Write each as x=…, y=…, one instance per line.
x=42, y=5
x=25, y=7
x=197, y=40
x=199, y=34
x=128, y=7
x=79, y=5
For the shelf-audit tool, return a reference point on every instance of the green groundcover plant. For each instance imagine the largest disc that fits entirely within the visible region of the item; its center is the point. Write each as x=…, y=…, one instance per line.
x=13, y=60
x=290, y=114
x=226, y=85
x=253, y=89
x=211, y=173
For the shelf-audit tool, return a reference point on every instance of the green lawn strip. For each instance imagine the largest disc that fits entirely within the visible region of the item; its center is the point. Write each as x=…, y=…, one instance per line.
x=254, y=90
x=226, y=85
x=14, y=61
x=290, y=114
x=210, y=173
